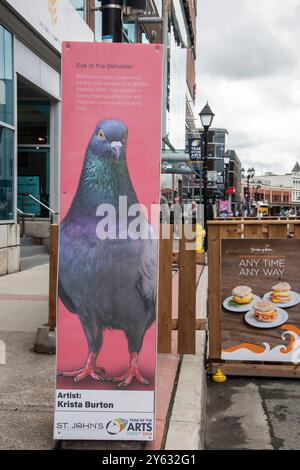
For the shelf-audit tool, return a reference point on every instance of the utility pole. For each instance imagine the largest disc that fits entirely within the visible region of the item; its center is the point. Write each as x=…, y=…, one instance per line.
x=112, y=20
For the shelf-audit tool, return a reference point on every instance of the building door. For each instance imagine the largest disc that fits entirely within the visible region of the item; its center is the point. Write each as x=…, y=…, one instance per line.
x=33, y=179
x=33, y=150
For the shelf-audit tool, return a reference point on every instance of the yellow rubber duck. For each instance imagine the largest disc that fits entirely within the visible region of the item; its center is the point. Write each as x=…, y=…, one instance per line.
x=219, y=377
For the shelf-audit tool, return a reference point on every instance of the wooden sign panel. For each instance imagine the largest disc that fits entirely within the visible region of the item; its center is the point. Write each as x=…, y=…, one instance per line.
x=251, y=330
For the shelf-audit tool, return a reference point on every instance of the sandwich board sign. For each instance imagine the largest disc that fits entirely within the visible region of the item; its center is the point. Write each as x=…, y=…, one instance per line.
x=260, y=297
x=107, y=282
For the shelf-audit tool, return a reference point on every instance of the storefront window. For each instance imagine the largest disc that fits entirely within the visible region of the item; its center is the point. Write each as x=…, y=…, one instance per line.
x=33, y=178
x=6, y=126
x=33, y=122
x=33, y=151
x=6, y=78
x=6, y=173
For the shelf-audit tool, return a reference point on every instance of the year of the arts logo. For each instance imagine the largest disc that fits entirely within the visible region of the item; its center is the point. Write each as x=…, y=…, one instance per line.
x=53, y=10
x=116, y=426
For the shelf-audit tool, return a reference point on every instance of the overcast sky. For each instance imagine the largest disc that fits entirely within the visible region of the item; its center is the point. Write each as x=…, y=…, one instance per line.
x=249, y=71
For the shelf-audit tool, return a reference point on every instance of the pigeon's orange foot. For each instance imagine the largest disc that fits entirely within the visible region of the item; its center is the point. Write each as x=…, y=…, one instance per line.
x=89, y=370
x=128, y=377
x=132, y=373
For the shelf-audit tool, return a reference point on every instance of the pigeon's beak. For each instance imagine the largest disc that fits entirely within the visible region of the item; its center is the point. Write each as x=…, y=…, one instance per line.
x=116, y=148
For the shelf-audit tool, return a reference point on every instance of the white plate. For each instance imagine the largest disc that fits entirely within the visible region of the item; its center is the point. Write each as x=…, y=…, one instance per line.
x=280, y=320
x=294, y=300
x=242, y=308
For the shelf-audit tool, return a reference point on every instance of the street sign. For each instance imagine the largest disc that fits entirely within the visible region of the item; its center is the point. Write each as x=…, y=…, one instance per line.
x=212, y=176
x=196, y=155
x=195, y=149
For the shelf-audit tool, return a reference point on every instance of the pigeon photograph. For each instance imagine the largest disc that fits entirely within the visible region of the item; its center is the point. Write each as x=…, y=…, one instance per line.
x=108, y=284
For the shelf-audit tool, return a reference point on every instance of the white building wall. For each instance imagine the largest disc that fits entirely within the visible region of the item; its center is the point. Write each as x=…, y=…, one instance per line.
x=158, y=4
x=176, y=127
x=286, y=181
x=31, y=66
x=176, y=115
x=55, y=20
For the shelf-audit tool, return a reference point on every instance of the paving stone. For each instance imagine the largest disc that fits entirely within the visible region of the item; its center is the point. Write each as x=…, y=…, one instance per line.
x=21, y=430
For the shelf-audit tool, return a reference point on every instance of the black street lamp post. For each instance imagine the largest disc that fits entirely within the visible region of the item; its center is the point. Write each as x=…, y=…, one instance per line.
x=206, y=116
x=112, y=18
x=250, y=175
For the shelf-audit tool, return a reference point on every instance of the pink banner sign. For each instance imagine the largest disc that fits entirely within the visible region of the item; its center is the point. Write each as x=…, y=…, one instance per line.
x=224, y=206
x=107, y=285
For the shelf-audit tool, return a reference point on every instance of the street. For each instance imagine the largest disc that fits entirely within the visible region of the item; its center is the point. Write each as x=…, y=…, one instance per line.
x=253, y=414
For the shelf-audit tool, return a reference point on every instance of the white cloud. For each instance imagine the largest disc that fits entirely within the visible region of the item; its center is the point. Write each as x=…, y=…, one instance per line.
x=248, y=69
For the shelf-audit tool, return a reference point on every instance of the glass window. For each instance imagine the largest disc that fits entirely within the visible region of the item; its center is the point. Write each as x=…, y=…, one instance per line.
x=6, y=173
x=220, y=137
x=33, y=122
x=6, y=77
x=33, y=178
x=220, y=150
x=79, y=5
x=7, y=118
x=145, y=39
x=128, y=32
x=33, y=149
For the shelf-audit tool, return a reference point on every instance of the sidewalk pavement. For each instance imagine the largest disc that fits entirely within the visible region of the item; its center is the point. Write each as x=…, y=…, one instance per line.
x=188, y=417
x=28, y=379
x=24, y=299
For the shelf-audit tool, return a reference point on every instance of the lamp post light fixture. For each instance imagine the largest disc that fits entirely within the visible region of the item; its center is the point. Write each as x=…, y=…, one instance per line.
x=250, y=175
x=206, y=117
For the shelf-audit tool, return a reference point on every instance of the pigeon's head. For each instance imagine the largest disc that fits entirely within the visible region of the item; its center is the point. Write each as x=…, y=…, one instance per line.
x=109, y=140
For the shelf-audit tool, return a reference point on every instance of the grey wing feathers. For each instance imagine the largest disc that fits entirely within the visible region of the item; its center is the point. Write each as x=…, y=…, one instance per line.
x=65, y=299
x=146, y=282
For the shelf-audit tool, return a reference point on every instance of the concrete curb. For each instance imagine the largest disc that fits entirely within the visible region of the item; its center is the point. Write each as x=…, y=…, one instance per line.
x=187, y=422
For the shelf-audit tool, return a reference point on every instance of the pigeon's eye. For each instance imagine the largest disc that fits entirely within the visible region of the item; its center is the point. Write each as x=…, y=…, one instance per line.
x=101, y=135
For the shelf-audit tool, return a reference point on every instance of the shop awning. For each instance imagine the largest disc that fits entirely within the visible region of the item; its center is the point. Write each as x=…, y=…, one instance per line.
x=176, y=162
